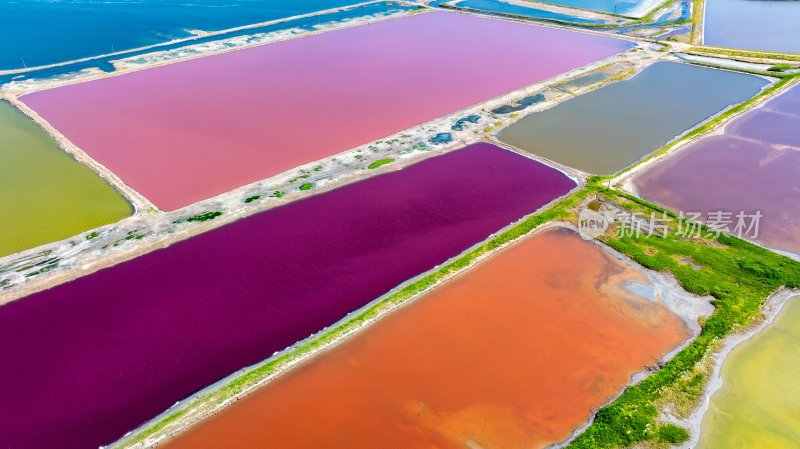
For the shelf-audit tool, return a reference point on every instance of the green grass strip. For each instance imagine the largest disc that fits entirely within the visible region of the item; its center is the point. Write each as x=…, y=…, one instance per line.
x=697, y=20
x=746, y=53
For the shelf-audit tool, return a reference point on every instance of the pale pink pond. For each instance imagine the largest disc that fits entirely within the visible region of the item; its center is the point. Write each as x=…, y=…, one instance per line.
x=192, y=130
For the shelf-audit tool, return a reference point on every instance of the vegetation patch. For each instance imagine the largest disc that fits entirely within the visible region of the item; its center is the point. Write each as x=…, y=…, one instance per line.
x=672, y=434
x=379, y=163
x=780, y=68
x=199, y=217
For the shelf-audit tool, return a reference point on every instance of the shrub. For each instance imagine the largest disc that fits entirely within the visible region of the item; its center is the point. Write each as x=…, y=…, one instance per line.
x=670, y=433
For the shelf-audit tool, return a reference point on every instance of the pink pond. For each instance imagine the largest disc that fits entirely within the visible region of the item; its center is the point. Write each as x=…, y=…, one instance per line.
x=192, y=130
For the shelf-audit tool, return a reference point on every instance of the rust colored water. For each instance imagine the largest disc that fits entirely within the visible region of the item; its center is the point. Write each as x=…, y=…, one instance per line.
x=515, y=353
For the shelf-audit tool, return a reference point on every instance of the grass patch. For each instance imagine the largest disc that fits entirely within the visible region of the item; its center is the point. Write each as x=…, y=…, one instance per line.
x=672, y=434
x=206, y=216
x=779, y=68
x=379, y=163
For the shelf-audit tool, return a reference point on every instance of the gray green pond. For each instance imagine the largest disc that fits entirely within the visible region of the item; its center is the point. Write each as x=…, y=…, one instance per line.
x=604, y=131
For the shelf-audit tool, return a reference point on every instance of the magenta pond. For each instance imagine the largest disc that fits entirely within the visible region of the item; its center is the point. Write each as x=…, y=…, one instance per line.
x=94, y=358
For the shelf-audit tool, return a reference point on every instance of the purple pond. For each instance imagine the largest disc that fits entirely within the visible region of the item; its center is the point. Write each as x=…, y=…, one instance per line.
x=753, y=168
x=87, y=361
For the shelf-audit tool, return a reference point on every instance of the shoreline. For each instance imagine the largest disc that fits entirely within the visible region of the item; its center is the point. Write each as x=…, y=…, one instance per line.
x=771, y=309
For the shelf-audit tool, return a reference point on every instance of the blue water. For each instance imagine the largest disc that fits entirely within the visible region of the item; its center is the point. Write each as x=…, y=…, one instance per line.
x=441, y=138
x=462, y=123
x=43, y=32
x=521, y=104
x=753, y=25
x=306, y=23
x=682, y=30
x=621, y=7
x=498, y=6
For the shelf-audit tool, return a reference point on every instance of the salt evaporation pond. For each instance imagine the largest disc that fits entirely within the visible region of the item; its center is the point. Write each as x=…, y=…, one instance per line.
x=94, y=358
x=754, y=166
x=757, y=405
x=514, y=353
x=188, y=131
x=753, y=24
x=45, y=194
x=604, y=131
x=40, y=33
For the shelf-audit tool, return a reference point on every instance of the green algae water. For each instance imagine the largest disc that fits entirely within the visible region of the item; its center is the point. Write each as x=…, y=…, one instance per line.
x=45, y=194
x=758, y=406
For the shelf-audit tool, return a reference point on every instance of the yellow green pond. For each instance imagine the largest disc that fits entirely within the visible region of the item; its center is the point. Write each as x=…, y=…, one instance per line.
x=758, y=405
x=45, y=194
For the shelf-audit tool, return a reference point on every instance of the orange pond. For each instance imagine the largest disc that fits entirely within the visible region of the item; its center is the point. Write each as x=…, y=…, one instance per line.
x=514, y=353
